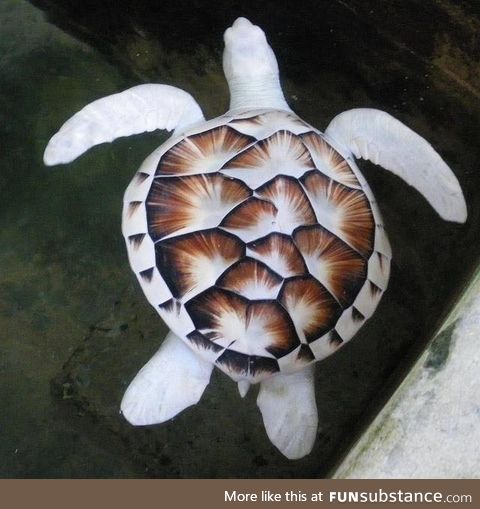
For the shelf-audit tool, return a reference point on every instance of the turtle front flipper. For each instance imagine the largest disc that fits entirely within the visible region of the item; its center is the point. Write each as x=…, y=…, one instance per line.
x=139, y=109
x=377, y=136
x=172, y=380
x=289, y=412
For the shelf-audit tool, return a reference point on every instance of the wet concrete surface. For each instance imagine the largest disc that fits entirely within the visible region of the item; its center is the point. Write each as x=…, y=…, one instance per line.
x=74, y=325
x=429, y=428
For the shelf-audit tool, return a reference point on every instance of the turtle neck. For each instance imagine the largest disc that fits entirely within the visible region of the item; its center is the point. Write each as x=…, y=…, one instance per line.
x=257, y=93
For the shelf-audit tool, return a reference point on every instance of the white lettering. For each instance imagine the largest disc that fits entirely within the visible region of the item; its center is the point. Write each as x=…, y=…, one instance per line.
x=240, y=497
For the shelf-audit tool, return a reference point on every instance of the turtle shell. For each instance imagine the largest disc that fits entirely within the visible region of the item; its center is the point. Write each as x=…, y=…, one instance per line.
x=258, y=243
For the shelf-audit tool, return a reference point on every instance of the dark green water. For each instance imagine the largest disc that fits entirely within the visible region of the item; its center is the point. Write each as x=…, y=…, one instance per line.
x=74, y=326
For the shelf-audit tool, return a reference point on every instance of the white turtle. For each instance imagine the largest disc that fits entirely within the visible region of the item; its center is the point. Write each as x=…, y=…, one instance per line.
x=254, y=235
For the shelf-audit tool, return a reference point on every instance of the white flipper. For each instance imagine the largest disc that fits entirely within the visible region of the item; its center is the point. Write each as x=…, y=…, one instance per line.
x=289, y=412
x=172, y=380
x=377, y=136
x=136, y=110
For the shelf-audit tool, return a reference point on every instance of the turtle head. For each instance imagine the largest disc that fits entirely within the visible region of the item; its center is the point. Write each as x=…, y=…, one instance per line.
x=251, y=68
x=247, y=53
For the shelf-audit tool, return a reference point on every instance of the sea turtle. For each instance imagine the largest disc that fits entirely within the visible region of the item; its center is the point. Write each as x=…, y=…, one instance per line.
x=254, y=235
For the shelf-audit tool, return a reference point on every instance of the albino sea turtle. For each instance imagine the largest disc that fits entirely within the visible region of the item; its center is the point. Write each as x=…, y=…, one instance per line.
x=254, y=235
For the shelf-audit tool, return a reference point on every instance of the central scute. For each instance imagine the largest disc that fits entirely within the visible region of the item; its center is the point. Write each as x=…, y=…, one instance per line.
x=263, y=235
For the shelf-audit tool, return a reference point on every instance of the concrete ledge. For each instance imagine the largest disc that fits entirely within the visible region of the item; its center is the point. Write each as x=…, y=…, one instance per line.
x=430, y=427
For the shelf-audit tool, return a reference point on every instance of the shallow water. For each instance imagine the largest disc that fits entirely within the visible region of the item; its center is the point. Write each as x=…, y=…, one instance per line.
x=74, y=326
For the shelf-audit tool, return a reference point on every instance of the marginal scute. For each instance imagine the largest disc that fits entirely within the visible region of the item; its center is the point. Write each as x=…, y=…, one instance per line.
x=141, y=176
x=323, y=346
x=133, y=207
x=375, y=290
x=305, y=354
x=176, y=317
x=138, y=188
x=202, y=153
x=147, y=274
x=382, y=244
x=356, y=315
x=265, y=124
x=335, y=339
x=136, y=239
x=154, y=286
x=379, y=270
x=200, y=342
x=349, y=323
x=241, y=365
x=172, y=306
x=367, y=299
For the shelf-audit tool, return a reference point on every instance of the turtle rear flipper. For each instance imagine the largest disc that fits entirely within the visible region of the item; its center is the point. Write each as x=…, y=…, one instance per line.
x=377, y=136
x=139, y=109
x=289, y=412
x=172, y=380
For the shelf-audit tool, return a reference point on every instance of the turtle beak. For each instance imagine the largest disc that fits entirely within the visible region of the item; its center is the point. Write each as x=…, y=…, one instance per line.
x=240, y=23
x=243, y=31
